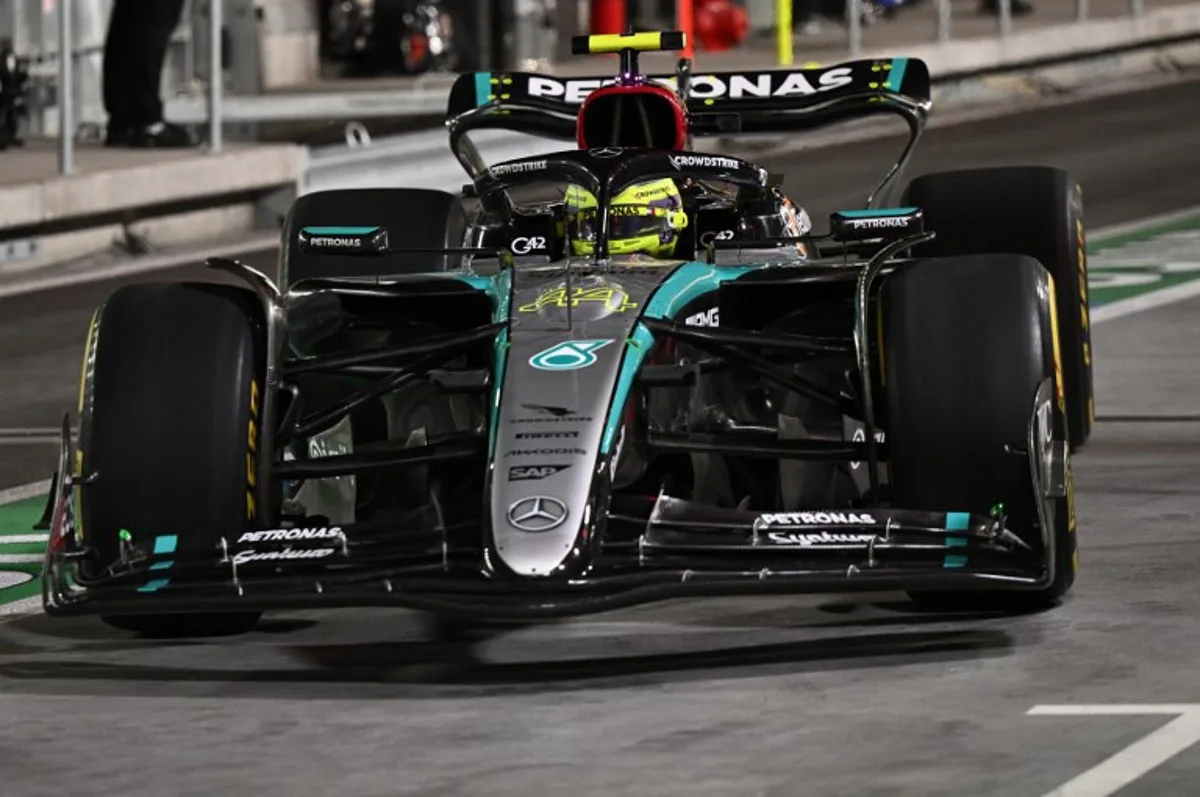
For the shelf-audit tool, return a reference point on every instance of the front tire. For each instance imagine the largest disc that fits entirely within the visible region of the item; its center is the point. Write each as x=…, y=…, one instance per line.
x=173, y=386
x=968, y=342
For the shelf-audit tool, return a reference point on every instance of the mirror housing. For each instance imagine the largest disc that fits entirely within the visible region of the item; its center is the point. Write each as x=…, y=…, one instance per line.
x=890, y=224
x=344, y=240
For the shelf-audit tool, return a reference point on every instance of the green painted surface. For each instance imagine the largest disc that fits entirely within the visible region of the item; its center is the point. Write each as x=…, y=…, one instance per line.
x=1145, y=260
x=20, y=555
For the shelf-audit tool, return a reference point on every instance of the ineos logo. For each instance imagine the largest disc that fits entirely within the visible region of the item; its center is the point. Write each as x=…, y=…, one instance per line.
x=536, y=514
x=523, y=246
x=715, y=235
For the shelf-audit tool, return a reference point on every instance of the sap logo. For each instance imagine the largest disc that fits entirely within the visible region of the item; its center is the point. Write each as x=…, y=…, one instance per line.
x=715, y=235
x=817, y=519
x=707, y=87
x=709, y=318
x=703, y=161
x=523, y=246
x=519, y=473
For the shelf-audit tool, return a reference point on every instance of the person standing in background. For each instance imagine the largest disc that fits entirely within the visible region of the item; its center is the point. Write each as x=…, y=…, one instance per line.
x=134, y=53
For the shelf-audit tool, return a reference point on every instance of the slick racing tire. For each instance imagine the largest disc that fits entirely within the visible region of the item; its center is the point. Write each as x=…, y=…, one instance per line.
x=1028, y=210
x=172, y=385
x=415, y=218
x=967, y=342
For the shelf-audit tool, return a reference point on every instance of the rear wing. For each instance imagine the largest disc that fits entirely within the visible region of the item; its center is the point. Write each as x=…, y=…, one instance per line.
x=719, y=103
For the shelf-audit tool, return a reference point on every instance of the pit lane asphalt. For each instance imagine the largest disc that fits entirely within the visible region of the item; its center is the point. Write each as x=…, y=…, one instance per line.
x=777, y=697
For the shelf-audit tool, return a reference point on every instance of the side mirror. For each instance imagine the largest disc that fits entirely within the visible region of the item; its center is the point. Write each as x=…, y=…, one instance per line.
x=867, y=225
x=344, y=240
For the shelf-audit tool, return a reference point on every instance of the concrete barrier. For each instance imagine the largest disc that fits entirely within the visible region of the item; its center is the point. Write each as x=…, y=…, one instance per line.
x=115, y=183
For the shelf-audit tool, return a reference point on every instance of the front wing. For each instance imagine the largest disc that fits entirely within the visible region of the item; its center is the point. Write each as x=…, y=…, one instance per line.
x=676, y=549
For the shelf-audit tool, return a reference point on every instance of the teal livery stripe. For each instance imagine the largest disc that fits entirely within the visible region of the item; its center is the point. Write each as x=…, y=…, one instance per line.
x=339, y=230
x=874, y=213
x=896, y=78
x=687, y=283
x=637, y=346
x=162, y=545
x=956, y=521
x=483, y=88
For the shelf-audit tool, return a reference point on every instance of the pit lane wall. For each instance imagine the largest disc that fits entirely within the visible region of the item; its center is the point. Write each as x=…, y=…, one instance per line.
x=169, y=199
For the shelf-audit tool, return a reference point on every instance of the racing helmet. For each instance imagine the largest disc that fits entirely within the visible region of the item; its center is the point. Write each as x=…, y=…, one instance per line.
x=645, y=218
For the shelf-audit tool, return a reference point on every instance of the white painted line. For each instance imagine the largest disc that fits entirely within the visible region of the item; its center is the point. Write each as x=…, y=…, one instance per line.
x=15, y=539
x=23, y=606
x=31, y=431
x=34, y=490
x=1162, y=219
x=1111, y=709
x=14, y=578
x=21, y=558
x=1146, y=301
x=1119, y=770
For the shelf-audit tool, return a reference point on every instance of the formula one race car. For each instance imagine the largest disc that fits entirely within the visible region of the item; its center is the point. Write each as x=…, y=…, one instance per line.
x=601, y=377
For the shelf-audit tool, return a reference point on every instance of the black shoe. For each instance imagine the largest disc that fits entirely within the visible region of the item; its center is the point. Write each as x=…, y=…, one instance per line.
x=159, y=134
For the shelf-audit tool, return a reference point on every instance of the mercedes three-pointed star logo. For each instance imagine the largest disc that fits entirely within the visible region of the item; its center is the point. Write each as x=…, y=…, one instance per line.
x=605, y=152
x=537, y=513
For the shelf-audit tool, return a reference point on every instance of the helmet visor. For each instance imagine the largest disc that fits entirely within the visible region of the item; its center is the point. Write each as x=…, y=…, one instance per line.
x=627, y=222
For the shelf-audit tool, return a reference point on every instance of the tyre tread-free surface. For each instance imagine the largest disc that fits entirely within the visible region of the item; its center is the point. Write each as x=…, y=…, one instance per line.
x=967, y=343
x=168, y=427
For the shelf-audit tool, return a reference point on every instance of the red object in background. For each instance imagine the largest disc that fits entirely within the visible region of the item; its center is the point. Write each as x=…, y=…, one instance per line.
x=720, y=24
x=685, y=20
x=608, y=16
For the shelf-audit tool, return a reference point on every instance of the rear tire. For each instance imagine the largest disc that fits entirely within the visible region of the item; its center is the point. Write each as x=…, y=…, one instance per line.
x=967, y=343
x=167, y=424
x=415, y=218
x=1029, y=210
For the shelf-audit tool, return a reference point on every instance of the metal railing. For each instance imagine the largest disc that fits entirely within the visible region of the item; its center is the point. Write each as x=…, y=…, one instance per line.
x=427, y=95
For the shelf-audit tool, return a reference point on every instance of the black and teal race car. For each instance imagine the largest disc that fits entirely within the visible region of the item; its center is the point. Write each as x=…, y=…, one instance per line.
x=439, y=403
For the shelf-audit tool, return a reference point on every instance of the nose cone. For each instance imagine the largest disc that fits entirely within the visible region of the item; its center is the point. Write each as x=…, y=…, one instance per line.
x=562, y=374
x=548, y=446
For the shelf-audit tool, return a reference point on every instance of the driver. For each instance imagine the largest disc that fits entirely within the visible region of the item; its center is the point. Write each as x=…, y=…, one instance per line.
x=646, y=218
x=643, y=219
